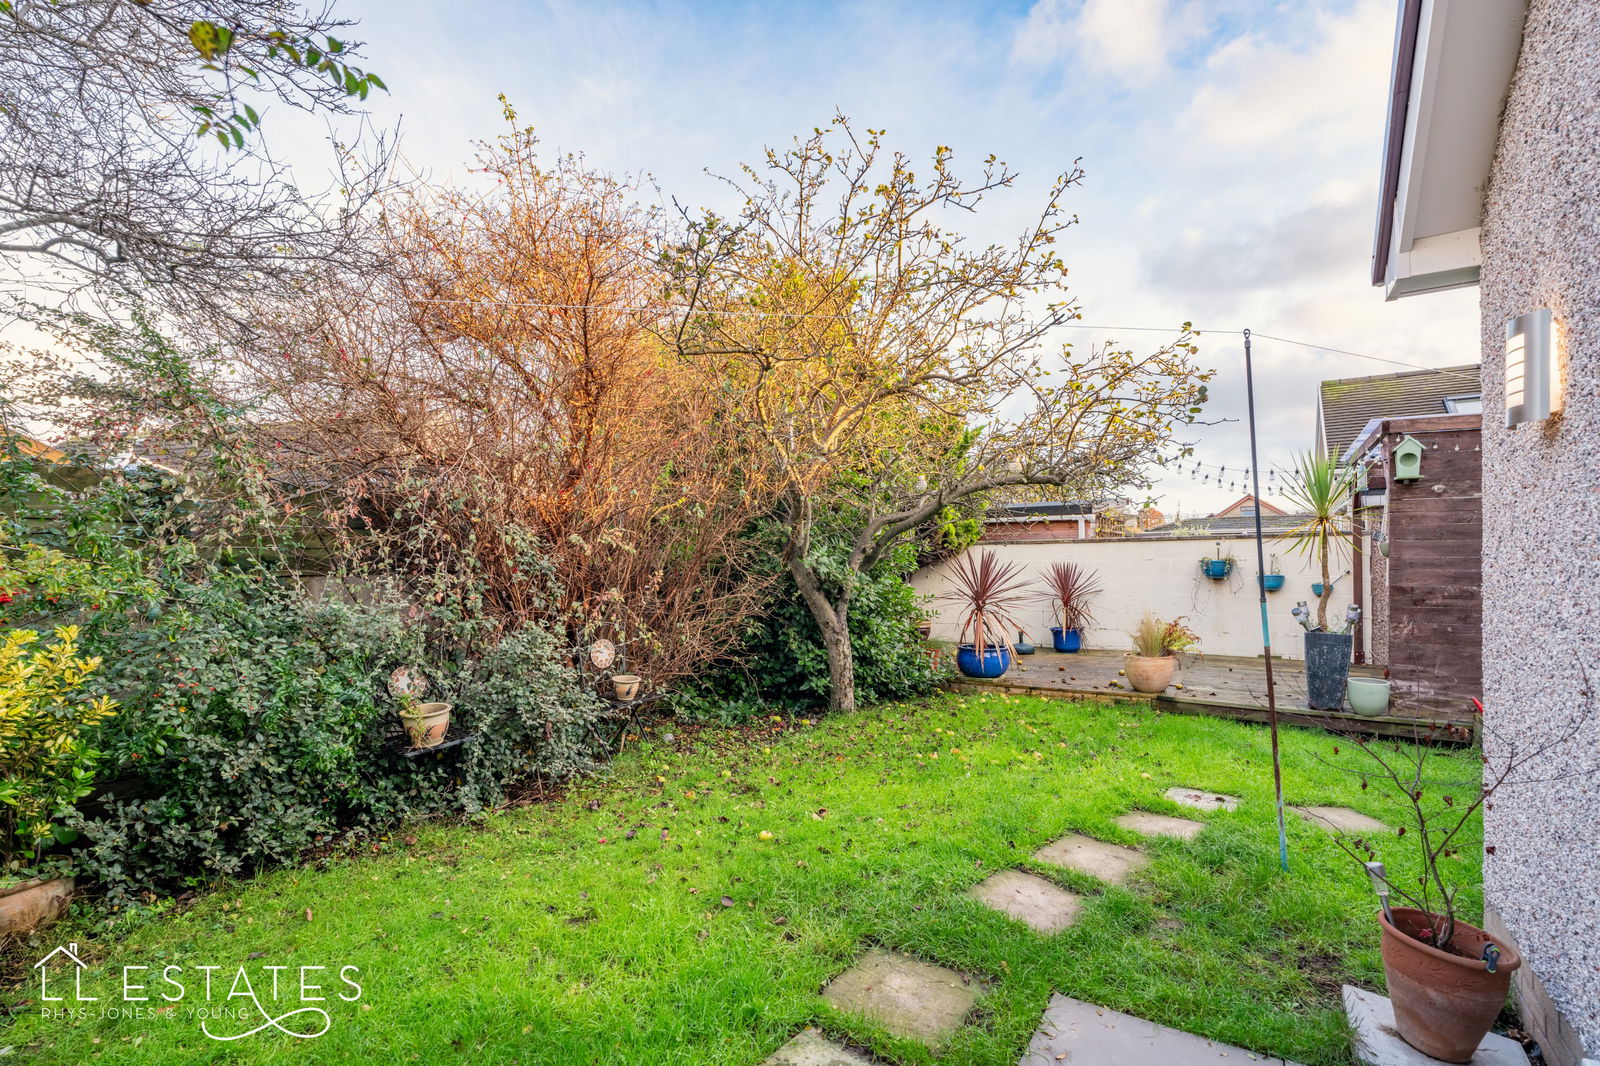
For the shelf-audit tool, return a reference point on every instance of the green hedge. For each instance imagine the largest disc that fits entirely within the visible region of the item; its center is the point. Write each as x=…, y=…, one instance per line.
x=784, y=665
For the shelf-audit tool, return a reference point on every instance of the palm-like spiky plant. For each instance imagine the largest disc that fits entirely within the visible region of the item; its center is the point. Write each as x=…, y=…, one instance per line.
x=990, y=591
x=1320, y=488
x=1068, y=587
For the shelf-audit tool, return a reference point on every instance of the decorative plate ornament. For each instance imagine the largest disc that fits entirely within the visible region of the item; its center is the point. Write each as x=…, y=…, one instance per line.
x=406, y=681
x=602, y=653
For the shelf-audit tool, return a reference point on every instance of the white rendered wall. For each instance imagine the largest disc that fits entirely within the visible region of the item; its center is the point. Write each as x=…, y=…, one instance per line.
x=1163, y=576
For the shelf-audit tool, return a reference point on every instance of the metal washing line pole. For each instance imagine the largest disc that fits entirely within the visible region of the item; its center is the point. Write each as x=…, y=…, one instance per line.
x=1261, y=594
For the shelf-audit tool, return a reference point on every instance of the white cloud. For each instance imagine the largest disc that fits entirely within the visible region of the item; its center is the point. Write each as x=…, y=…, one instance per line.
x=1329, y=84
x=1129, y=39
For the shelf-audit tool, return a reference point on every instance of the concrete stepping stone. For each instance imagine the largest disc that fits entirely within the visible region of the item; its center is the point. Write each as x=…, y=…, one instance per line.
x=810, y=1048
x=1201, y=800
x=1378, y=1042
x=1046, y=907
x=1160, y=825
x=1340, y=820
x=1077, y=1032
x=1108, y=862
x=908, y=997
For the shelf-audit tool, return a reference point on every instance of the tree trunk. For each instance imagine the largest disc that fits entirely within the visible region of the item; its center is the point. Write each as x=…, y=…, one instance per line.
x=833, y=621
x=1327, y=586
x=841, y=665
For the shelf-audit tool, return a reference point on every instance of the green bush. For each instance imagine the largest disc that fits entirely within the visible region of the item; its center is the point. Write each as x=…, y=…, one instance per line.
x=783, y=663
x=255, y=725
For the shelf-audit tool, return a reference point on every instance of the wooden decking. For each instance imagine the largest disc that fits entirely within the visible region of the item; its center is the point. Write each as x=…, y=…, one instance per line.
x=1222, y=686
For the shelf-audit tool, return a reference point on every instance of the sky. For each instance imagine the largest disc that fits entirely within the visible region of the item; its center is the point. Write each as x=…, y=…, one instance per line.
x=1232, y=150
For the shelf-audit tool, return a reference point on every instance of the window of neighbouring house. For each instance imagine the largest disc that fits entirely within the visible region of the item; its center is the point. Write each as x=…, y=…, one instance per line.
x=1464, y=405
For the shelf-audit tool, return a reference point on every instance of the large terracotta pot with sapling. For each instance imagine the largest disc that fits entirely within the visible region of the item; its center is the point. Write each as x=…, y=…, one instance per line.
x=1156, y=646
x=1447, y=979
x=988, y=593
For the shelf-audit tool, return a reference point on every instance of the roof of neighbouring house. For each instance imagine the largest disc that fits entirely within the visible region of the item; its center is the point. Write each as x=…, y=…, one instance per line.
x=1232, y=510
x=1346, y=405
x=1237, y=526
x=1035, y=512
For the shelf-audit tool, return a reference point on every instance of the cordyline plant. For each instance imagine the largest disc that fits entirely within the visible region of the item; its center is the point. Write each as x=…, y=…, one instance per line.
x=890, y=369
x=989, y=592
x=1320, y=488
x=1441, y=809
x=1068, y=589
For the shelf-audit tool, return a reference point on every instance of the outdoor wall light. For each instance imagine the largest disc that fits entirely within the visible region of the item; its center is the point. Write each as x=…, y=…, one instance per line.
x=1533, y=391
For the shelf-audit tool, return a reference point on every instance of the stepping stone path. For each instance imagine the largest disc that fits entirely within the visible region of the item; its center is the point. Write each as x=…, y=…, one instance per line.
x=1045, y=906
x=1378, y=1042
x=908, y=997
x=1161, y=825
x=1341, y=820
x=811, y=1048
x=1108, y=862
x=1078, y=1032
x=1202, y=801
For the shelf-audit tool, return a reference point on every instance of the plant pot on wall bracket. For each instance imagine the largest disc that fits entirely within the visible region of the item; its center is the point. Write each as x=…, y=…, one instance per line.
x=1066, y=640
x=426, y=723
x=1327, y=668
x=1216, y=569
x=1316, y=588
x=1272, y=582
x=995, y=660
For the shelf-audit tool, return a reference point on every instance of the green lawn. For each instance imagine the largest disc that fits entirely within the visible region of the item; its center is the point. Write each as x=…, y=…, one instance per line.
x=644, y=917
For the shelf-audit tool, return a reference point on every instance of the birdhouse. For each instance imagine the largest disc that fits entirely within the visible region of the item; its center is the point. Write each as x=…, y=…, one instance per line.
x=1408, y=460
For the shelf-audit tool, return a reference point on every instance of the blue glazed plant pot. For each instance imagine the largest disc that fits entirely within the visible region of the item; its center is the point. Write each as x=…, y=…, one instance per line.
x=1068, y=640
x=996, y=660
x=1216, y=569
x=1272, y=582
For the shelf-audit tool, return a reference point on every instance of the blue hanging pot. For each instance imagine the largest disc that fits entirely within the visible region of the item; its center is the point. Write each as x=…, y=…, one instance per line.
x=1316, y=589
x=1216, y=569
x=1272, y=582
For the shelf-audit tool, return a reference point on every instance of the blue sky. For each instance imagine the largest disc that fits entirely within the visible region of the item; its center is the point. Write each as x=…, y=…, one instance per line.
x=1232, y=147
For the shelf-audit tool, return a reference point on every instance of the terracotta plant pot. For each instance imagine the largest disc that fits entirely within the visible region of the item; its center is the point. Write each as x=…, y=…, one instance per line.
x=625, y=686
x=26, y=906
x=1148, y=674
x=1444, y=1002
x=426, y=723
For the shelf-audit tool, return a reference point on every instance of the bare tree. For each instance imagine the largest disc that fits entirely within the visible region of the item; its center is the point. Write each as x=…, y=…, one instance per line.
x=130, y=152
x=892, y=369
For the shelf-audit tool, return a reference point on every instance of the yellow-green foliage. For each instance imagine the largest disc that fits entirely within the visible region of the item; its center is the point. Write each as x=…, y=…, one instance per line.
x=46, y=765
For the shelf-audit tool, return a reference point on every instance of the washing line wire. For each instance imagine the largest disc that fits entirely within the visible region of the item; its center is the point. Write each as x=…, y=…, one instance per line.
x=735, y=313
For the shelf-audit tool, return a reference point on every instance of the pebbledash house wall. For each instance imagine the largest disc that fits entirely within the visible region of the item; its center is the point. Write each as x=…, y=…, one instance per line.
x=1541, y=534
